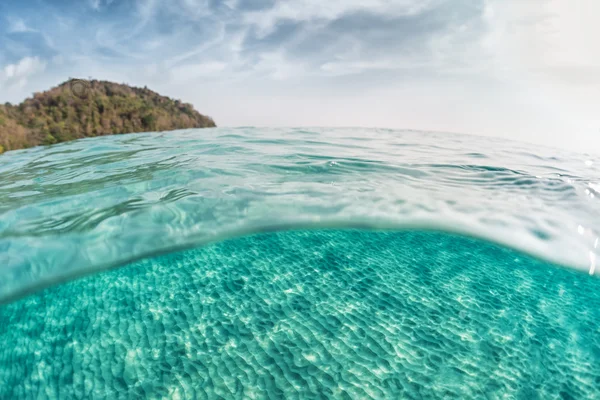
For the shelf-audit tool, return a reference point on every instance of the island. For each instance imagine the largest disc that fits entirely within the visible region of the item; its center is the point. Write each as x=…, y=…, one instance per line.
x=86, y=108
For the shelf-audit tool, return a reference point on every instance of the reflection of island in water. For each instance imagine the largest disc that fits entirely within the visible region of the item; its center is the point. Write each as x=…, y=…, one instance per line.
x=78, y=108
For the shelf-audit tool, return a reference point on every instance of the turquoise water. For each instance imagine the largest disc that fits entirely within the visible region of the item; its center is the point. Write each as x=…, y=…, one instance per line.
x=299, y=263
x=319, y=314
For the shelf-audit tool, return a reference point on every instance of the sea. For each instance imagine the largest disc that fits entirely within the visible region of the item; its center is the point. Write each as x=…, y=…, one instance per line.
x=300, y=263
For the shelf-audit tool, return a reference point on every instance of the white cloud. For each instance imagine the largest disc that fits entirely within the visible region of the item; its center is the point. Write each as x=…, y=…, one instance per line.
x=17, y=25
x=275, y=65
x=550, y=48
x=307, y=10
x=97, y=4
x=339, y=68
x=544, y=34
x=20, y=72
x=187, y=73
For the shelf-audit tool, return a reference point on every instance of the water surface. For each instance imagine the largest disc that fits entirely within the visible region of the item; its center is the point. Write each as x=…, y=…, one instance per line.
x=91, y=204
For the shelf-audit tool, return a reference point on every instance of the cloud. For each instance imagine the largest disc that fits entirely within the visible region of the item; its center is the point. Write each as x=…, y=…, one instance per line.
x=17, y=25
x=190, y=72
x=19, y=73
x=408, y=40
x=351, y=36
x=316, y=10
x=279, y=38
x=532, y=62
x=354, y=67
x=99, y=4
x=544, y=34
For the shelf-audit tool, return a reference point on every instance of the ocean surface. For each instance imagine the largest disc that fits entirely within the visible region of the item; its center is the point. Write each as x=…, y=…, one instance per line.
x=299, y=263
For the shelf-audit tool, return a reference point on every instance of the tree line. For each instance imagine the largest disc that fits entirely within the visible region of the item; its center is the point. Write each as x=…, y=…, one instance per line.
x=93, y=108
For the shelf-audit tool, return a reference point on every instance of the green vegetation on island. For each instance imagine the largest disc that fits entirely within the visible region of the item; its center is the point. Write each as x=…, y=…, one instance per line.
x=77, y=109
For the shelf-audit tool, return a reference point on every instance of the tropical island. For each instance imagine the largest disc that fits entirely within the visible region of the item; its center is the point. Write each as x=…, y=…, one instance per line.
x=86, y=108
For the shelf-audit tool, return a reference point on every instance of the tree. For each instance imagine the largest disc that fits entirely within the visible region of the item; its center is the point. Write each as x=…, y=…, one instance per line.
x=57, y=115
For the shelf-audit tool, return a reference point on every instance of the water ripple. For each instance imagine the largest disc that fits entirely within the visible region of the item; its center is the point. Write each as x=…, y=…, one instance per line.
x=96, y=203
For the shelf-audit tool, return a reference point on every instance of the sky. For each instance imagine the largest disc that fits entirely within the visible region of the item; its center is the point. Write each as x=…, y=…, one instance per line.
x=527, y=70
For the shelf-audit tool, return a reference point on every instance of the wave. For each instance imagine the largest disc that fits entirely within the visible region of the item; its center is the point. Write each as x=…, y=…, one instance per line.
x=78, y=207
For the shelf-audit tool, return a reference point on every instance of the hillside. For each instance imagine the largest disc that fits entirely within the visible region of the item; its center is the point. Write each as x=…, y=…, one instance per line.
x=77, y=109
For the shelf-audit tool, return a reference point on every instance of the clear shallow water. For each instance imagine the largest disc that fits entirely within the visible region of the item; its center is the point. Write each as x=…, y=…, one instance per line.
x=230, y=286
x=312, y=314
x=92, y=204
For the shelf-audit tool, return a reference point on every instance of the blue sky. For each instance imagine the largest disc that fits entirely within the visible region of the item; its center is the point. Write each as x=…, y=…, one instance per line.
x=522, y=69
